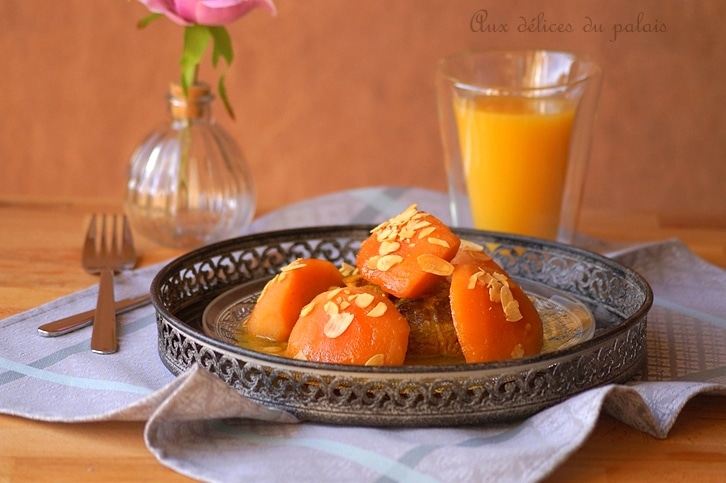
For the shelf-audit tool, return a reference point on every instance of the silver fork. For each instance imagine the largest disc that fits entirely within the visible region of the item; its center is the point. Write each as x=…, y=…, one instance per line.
x=98, y=258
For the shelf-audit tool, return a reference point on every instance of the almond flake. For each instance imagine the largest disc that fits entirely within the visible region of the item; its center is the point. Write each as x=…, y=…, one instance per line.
x=344, y=305
x=511, y=311
x=495, y=291
x=379, y=227
x=418, y=224
x=388, y=247
x=363, y=300
x=331, y=308
x=293, y=266
x=505, y=295
x=501, y=277
x=372, y=262
x=438, y=241
x=485, y=277
x=406, y=215
x=346, y=269
x=378, y=310
x=376, y=360
x=307, y=309
x=337, y=324
x=517, y=352
x=333, y=293
x=426, y=232
x=300, y=356
x=471, y=246
x=387, y=233
x=385, y=262
x=406, y=233
x=435, y=265
x=472, y=281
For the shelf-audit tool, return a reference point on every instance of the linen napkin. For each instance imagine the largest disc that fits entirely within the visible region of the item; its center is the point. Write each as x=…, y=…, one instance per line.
x=199, y=427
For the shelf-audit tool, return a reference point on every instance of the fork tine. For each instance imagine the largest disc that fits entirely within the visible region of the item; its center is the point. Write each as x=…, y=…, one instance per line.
x=114, y=238
x=89, y=243
x=127, y=243
x=103, y=249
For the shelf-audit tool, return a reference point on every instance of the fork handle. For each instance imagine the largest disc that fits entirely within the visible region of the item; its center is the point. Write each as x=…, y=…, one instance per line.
x=103, y=337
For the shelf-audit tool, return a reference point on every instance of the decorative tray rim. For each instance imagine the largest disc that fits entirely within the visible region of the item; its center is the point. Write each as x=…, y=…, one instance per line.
x=397, y=373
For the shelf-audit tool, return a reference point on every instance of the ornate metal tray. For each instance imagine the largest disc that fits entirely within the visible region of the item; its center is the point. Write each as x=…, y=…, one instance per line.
x=617, y=297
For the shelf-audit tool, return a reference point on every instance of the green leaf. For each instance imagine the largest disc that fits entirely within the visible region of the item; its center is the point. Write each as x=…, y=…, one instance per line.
x=196, y=39
x=222, y=45
x=223, y=95
x=148, y=19
x=222, y=48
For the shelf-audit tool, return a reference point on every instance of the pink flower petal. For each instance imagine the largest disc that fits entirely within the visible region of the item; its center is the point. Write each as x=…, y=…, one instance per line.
x=166, y=8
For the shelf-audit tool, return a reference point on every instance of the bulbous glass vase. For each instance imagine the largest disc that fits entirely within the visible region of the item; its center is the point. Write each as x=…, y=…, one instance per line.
x=188, y=183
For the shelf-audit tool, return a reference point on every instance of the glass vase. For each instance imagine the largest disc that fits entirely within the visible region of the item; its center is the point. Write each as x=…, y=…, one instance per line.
x=188, y=183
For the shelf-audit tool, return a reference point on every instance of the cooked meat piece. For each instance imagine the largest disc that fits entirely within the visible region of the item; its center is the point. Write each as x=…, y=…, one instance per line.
x=432, y=329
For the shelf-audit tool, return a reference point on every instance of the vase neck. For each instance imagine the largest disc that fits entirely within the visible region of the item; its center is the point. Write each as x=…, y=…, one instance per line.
x=197, y=105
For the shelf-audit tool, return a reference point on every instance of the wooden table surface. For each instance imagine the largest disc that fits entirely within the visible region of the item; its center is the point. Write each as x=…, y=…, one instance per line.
x=40, y=261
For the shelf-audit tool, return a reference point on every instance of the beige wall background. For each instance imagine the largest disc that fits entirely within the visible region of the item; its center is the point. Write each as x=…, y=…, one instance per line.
x=335, y=94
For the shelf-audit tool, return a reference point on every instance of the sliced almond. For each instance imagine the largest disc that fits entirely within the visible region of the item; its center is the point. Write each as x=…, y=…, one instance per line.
x=363, y=300
x=495, y=291
x=388, y=247
x=517, y=352
x=372, y=262
x=300, y=356
x=337, y=324
x=307, y=309
x=293, y=266
x=376, y=360
x=471, y=246
x=331, y=308
x=435, y=265
x=407, y=232
x=406, y=215
x=438, y=241
x=423, y=233
x=346, y=269
x=385, y=262
x=501, y=277
x=505, y=295
x=378, y=310
x=512, y=312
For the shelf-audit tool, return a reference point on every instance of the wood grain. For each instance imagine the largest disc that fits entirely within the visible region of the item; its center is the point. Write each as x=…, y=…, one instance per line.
x=40, y=261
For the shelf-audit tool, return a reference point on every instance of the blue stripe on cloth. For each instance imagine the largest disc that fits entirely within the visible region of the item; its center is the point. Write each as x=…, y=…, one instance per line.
x=387, y=467
x=414, y=456
x=81, y=382
x=696, y=314
x=35, y=369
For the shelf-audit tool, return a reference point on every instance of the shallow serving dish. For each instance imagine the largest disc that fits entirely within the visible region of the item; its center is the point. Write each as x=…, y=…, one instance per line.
x=617, y=298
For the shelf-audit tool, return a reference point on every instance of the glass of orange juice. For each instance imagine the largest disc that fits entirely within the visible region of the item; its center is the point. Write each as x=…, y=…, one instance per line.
x=516, y=128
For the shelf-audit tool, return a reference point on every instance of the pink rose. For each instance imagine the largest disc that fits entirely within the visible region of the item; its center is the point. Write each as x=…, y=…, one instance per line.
x=206, y=12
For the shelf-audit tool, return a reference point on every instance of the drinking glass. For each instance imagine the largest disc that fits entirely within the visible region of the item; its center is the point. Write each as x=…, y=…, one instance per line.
x=516, y=128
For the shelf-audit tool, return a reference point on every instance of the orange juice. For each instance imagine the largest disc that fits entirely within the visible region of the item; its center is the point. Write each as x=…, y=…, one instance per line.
x=514, y=151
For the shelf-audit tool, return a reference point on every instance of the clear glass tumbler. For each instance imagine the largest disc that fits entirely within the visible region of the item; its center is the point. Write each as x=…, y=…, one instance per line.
x=516, y=128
